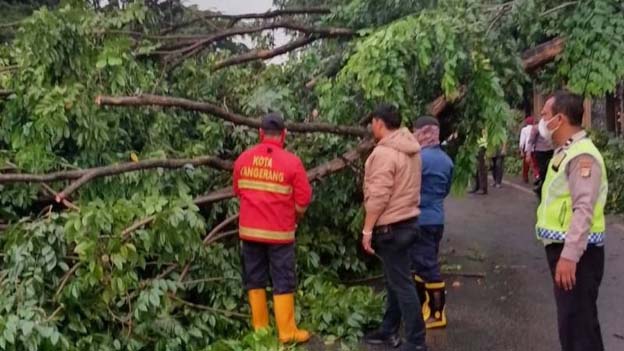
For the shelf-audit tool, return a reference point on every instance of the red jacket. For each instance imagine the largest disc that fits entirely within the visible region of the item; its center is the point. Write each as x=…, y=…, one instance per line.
x=271, y=184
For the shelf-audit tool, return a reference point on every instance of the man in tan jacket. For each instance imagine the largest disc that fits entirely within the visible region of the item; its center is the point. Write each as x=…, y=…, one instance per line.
x=391, y=198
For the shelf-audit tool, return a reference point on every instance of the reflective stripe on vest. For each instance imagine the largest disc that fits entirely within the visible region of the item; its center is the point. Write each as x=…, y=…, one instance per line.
x=554, y=214
x=264, y=186
x=262, y=234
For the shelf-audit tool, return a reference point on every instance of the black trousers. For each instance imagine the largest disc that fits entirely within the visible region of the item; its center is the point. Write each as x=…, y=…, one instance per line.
x=577, y=313
x=480, y=179
x=261, y=260
x=542, y=158
x=498, y=168
x=392, y=244
x=424, y=253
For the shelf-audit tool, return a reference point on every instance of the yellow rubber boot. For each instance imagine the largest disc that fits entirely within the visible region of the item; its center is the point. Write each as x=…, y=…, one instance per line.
x=436, y=303
x=284, y=305
x=259, y=309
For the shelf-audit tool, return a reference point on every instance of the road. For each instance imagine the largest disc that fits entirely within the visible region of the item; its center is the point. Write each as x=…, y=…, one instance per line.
x=512, y=308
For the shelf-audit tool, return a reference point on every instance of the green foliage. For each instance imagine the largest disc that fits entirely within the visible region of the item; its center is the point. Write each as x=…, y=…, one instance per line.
x=592, y=63
x=353, y=310
x=263, y=340
x=81, y=280
x=612, y=150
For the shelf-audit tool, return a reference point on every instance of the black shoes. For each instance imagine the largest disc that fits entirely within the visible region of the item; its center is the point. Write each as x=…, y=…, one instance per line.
x=379, y=337
x=410, y=347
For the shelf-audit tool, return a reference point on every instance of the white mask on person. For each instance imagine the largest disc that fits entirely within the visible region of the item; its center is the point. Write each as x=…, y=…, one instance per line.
x=546, y=133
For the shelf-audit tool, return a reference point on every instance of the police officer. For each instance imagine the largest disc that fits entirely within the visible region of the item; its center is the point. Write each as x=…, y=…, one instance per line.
x=571, y=221
x=274, y=192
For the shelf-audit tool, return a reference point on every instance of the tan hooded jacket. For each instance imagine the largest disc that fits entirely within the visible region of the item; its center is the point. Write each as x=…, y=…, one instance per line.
x=392, y=178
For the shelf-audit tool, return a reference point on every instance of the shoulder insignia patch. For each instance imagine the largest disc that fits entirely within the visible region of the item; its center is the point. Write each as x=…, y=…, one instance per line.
x=585, y=167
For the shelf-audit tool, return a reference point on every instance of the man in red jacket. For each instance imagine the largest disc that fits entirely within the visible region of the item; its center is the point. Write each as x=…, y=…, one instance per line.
x=274, y=192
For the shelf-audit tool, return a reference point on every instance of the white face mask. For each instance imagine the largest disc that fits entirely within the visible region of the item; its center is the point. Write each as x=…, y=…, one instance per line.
x=546, y=133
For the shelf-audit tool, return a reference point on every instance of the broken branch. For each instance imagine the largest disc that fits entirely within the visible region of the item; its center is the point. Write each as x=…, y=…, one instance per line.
x=84, y=175
x=190, y=105
x=255, y=55
x=264, y=15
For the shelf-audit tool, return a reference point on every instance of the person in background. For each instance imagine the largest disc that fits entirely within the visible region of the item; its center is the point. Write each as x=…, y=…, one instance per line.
x=437, y=175
x=525, y=150
x=498, y=164
x=541, y=153
x=392, y=175
x=480, y=180
x=571, y=221
x=274, y=192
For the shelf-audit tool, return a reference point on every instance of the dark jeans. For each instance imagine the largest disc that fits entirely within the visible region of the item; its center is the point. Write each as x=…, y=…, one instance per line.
x=261, y=259
x=498, y=169
x=577, y=314
x=542, y=158
x=424, y=253
x=392, y=243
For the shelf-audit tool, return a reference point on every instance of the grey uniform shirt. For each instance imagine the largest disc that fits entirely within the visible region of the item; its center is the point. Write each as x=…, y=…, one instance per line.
x=584, y=179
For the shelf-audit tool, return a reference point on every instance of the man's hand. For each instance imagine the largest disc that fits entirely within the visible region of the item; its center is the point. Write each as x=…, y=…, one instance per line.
x=565, y=274
x=367, y=240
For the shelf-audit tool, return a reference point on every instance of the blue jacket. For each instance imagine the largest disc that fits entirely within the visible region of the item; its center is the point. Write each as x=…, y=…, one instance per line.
x=437, y=175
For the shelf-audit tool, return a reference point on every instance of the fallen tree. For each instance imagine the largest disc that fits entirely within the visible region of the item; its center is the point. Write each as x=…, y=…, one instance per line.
x=166, y=101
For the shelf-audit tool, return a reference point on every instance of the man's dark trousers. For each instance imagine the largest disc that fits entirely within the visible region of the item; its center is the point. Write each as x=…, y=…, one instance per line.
x=392, y=244
x=577, y=313
x=424, y=253
x=277, y=260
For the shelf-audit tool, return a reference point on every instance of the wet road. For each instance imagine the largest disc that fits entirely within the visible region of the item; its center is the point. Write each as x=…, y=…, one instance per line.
x=512, y=308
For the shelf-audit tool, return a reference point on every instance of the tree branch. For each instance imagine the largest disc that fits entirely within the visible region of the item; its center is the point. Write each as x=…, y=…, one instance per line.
x=559, y=7
x=85, y=175
x=204, y=41
x=11, y=24
x=165, y=101
x=208, y=308
x=8, y=68
x=136, y=225
x=542, y=54
x=255, y=55
x=315, y=173
x=207, y=239
x=264, y=15
x=66, y=279
x=230, y=32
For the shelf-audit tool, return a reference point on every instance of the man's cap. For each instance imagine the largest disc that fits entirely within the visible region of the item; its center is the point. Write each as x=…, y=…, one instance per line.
x=426, y=121
x=272, y=121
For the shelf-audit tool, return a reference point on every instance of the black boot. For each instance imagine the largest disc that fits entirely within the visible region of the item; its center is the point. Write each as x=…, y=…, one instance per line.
x=422, y=292
x=380, y=337
x=435, y=310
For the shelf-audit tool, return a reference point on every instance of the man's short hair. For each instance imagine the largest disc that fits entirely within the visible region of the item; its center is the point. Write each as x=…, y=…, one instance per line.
x=424, y=121
x=389, y=114
x=570, y=105
x=272, y=123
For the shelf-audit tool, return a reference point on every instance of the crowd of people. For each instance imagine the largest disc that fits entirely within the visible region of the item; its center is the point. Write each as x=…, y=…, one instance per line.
x=407, y=177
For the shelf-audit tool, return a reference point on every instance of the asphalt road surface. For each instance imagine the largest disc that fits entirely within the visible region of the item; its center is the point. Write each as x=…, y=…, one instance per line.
x=512, y=307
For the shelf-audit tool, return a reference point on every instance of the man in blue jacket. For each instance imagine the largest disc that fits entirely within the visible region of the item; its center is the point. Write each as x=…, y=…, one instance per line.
x=437, y=174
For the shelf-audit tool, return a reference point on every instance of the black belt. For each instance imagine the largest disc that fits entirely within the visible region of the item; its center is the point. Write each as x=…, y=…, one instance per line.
x=387, y=228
